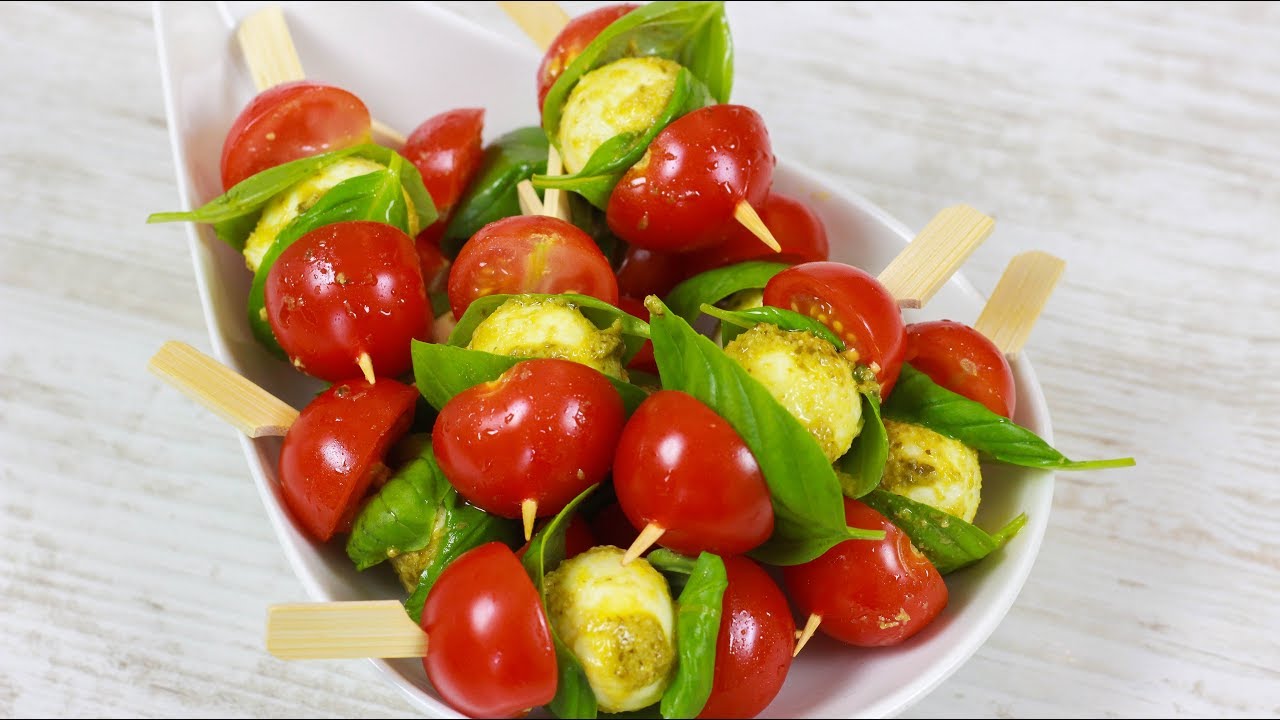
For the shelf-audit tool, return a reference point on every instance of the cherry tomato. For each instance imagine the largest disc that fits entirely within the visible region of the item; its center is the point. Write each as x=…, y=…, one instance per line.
x=291, y=121
x=447, y=152
x=753, y=649
x=644, y=272
x=577, y=538
x=333, y=452
x=854, y=305
x=489, y=651
x=964, y=361
x=643, y=359
x=869, y=593
x=545, y=430
x=346, y=289
x=529, y=254
x=797, y=229
x=572, y=40
x=610, y=526
x=682, y=467
x=432, y=262
x=682, y=194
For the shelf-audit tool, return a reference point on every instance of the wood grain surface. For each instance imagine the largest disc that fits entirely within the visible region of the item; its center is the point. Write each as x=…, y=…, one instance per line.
x=1141, y=142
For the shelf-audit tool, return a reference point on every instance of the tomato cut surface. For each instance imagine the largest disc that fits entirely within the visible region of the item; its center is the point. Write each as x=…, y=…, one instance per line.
x=447, y=151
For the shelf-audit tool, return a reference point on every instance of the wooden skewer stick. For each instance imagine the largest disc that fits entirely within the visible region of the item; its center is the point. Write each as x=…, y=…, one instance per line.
x=804, y=636
x=555, y=202
x=643, y=542
x=1018, y=300
x=530, y=204
x=366, y=367
x=252, y=410
x=750, y=219
x=272, y=59
x=528, y=513
x=919, y=271
x=541, y=21
x=314, y=631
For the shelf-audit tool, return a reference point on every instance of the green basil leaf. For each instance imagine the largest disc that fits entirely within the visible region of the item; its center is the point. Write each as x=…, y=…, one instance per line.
x=611, y=160
x=918, y=399
x=442, y=371
x=693, y=34
x=949, y=542
x=734, y=322
x=808, y=511
x=863, y=466
x=401, y=517
x=676, y=567
x=708, y=288
x=574, y=696
x=601, y=314
x=460, y=527
x=698, y=611
x=492, y=195
x=376, y=196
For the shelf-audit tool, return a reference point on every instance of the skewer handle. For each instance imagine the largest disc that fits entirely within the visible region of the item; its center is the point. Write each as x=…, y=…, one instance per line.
x=1018, y=300
x=920, y=270
x=268, y=48
x=252, y=410
x=541, y=21
x=316, y=631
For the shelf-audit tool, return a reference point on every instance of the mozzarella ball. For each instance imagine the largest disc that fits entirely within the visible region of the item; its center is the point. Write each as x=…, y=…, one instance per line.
x=283, y=208
x=625, y=96
x=806, y=375
x=550, y=328
x=932, y=469
x=620, y=622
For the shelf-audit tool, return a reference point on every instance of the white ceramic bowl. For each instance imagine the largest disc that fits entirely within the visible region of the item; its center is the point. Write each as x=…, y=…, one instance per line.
x=454, y=63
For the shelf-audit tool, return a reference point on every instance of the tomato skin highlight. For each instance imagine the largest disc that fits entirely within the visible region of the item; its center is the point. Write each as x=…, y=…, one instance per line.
x=854, y=305
x=545, y=430
x=870, y=593
x=489, y=650
x=682, y=193
x=753, y=649
x=681, y=466
x=335, y=448
x=447, y=151
x=571, y=41
x=964, y=361
x=529, y=254
x=291, y=121
x=795, y=225
x=345, y=289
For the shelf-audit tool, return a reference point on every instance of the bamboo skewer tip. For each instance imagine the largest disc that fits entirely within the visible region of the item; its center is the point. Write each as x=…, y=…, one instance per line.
x=804, y=636
x=643, y=542
x=528, y=514
x=750, y=219
x=366, y=367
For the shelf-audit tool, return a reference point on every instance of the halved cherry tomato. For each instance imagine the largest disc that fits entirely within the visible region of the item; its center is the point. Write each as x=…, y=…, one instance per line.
x=571, y=41
x=610, y=526
x=682, y=467
x=869, y=593
x=797, y=228
x=964, y=361
x=489, y=650
x=291, y=121
x=682, y=193
x=333, y=452
x=447, y=152
x=645, y=272
x=854, y=305
x=529, y=254
x=753, y=649
x=643, y=360
x=346, y=289
x=545, y=430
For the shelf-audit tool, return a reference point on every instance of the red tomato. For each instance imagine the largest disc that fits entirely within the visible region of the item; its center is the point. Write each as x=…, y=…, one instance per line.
x=432, y=262
x=610, y=526
x=964, y=361
x=545, y=430
x=291, y=121
x=529, y=254
x=577, y=538
x=869, y=593
x=682, y=194
x=489, y=651
x=753, y=650
x=644, y=272
x=643, y=360
x=572, y=40
x=447, y=152
x=333, y=452
x=854, y=305
x=797, y=229
x=346, y=289
x=682, y=467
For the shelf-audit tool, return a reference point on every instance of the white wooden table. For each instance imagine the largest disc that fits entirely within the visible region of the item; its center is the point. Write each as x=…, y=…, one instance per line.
x=1140, y=142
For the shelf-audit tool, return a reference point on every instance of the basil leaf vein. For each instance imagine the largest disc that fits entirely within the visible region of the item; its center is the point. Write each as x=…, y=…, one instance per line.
x=949, y=542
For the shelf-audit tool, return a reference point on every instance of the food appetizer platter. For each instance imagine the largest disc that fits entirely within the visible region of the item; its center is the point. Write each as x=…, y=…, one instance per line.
x=604, y=408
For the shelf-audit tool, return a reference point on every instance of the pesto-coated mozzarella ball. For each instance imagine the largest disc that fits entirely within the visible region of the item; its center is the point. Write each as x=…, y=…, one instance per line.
x=549, y=328
x=291, y=203
x=809, y=378
x=932, y=469
x=624, y=96
x=620, y=622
